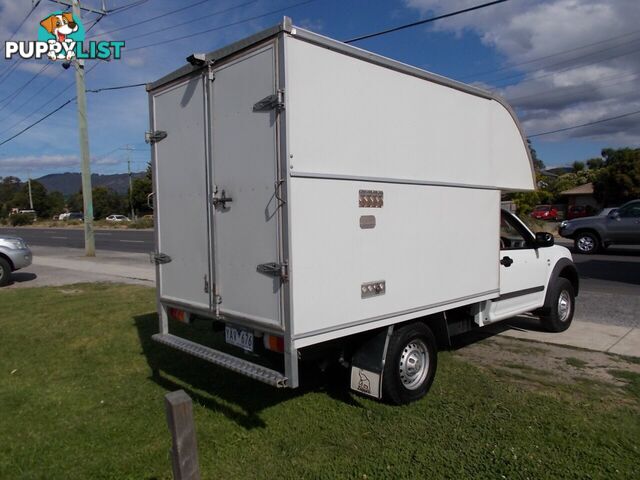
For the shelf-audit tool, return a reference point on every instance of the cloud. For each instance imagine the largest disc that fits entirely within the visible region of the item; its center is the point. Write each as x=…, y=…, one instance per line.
x=594, y=79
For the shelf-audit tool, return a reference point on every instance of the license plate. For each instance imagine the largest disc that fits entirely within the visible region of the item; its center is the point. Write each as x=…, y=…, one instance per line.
x=239, y=337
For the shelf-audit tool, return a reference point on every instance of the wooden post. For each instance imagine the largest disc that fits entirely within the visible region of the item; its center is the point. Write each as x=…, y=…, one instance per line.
x=184, y=452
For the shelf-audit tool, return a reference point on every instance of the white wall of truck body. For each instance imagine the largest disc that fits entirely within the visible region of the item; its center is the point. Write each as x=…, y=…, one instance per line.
x=434, y=153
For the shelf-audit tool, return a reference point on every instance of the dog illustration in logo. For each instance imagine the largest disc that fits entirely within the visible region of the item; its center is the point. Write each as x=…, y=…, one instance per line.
x=60, y=25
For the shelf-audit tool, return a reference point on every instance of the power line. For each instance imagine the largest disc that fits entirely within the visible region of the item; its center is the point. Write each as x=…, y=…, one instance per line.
x=33, y=7
x=142, y=22
x=57, y=109
x=37, y=122
x=422, y=22
x=219, y=12
x=17, y=109
x=629, y=114
x=220, y=27
x=13, y=95
x=515, y=65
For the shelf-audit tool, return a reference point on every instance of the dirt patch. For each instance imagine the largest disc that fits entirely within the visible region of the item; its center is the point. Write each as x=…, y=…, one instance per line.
x=533, y=364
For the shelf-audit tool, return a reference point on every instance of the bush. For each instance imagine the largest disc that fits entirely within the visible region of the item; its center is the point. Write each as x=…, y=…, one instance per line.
x=141, y=223
x=21, y=219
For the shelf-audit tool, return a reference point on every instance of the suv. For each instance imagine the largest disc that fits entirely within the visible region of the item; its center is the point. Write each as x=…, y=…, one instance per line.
x=621, y=226
x=14, y=255
x=545, y=212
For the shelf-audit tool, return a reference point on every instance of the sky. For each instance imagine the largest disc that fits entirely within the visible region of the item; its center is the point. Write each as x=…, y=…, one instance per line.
x=560, y=63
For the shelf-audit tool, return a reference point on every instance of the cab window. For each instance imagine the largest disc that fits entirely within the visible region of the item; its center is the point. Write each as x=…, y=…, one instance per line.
x=512, y=236
x=630, y=211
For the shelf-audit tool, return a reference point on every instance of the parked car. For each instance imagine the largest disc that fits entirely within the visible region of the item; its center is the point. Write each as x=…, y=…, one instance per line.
x=14, y=255
x=64, y=216
x=117, y=218
x=619, y=226
x=75, y=216
x=579, y=211
x=545, y=212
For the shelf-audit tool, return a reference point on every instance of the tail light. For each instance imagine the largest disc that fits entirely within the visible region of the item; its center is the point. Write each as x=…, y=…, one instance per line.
x=179, y=315
x=274, y=343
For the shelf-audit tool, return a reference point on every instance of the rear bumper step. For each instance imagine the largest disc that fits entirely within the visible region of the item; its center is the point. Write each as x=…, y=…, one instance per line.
x=238, y=365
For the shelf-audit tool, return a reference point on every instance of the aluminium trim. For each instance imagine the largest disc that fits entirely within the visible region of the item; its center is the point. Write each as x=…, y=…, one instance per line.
x=402, y=181
x=520, y=293
x=217, y=55
x=394, y=314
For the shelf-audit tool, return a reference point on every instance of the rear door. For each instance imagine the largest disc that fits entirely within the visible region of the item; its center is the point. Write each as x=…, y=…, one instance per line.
x=181, y=193
x=245, y=180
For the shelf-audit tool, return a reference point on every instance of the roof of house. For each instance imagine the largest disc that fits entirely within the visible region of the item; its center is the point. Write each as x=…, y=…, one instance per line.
x=586, y=189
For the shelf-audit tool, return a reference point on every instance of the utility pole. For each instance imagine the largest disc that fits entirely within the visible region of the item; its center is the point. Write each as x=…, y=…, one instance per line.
x=128, y=148
x=30, y=196
x=83, y=129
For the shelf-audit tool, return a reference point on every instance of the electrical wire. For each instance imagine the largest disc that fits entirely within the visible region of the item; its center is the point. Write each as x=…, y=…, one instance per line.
x=142, y=22
x=422, y=22
x=13, y=95
x=221, y=27
x=33, y=7
x=219, y=12
x=603, y=120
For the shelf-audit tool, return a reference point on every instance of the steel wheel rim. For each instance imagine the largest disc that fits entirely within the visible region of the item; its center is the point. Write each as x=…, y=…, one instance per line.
x=585, y=244
x=414, y=364
x=564, y=306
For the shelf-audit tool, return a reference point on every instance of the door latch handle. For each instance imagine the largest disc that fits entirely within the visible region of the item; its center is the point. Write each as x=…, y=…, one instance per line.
x=221, y=200
x=506, y=261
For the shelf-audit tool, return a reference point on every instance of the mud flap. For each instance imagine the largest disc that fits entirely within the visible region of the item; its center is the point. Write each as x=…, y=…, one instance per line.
x=367, y=364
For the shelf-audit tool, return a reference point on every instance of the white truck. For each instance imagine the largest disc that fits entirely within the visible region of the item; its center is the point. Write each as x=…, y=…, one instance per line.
x=323, y=202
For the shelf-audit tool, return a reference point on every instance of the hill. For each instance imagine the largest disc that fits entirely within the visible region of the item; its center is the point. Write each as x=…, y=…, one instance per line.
x=70, y=183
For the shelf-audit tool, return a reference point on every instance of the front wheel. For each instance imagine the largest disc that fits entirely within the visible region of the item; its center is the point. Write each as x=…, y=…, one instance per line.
x=587, y=243
x=5, y=272
x=562, y=306
x=410, y=364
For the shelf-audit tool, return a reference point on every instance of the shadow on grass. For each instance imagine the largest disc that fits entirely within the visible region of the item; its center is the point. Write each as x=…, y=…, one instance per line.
x=239, y=398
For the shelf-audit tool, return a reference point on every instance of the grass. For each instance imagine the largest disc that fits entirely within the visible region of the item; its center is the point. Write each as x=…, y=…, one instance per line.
x=576, y=362
x=81, y=396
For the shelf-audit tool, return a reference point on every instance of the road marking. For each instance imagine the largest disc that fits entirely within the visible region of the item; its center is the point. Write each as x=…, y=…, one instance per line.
x=104, y=234
x=61, y=238
x=132, y=241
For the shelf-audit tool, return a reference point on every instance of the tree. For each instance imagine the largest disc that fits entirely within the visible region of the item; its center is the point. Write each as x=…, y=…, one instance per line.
x=38, y=194
x=56, y=202
x=74, y=202
x=619, y=180
x=107, y=202
x=578, y=166
x=595, y=163
x=538, y=164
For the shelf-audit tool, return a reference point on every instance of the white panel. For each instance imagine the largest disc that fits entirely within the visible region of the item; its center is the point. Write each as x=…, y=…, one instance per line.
x=348, y=117
x=431, y=245
x=181, y=193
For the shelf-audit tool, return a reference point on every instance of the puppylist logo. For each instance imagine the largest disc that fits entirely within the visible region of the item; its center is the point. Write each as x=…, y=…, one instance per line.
x=61, y=36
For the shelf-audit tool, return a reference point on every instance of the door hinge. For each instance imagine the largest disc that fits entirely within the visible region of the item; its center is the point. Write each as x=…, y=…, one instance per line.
x=154, y=136
x=206, y=284
x=159, y=258
x=269, y=103
x=275, y=270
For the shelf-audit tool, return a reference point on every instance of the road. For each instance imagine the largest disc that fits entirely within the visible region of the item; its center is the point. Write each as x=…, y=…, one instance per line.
x=134, y=241
x=609, y=283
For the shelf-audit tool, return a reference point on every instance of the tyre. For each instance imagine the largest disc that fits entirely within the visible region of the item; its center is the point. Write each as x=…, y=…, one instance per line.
x=410, y=364
x=560, y=315
x=587, y=243
x=5, y=272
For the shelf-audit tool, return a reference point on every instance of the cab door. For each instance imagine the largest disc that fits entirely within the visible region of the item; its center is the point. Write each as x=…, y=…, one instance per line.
x=624, y=227
x=524, y=270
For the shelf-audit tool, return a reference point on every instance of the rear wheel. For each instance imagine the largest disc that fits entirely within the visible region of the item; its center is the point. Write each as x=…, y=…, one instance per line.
x=587, y=243
x=5, y=272
x=410, y=364
x=562, y=306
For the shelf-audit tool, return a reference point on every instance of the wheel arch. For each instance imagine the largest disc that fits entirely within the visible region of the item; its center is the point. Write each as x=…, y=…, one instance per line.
x=564, y=268
x=5, y=257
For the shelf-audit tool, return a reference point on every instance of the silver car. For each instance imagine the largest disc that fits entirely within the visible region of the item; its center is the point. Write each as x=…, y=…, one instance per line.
x=14, y=255
x=619, y=226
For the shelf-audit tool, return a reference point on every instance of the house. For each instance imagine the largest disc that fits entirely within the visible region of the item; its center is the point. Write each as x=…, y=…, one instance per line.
x=582, y=196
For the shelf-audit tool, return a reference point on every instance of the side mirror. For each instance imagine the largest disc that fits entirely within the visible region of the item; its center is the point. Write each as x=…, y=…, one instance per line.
x=614, y=215
x=544, y=239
